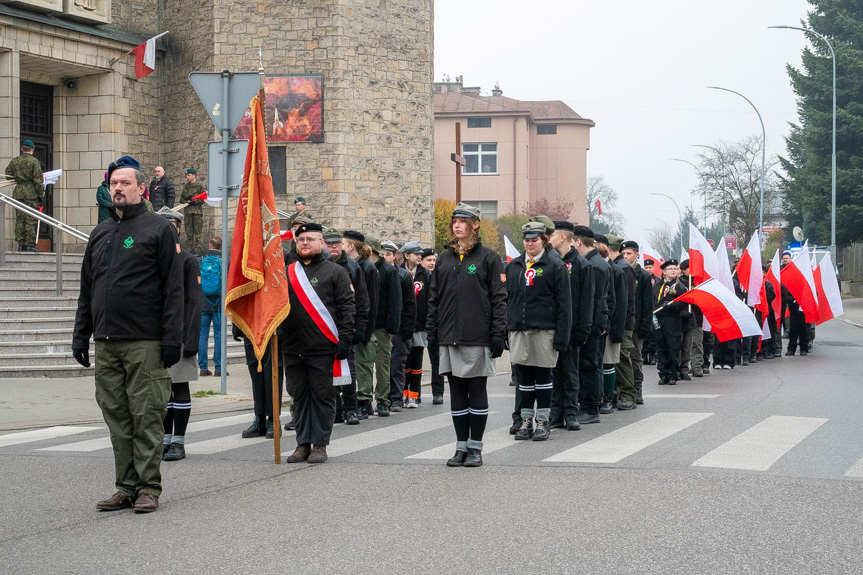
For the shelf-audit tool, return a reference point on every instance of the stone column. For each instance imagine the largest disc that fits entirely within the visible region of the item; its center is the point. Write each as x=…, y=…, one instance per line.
x=10, y=127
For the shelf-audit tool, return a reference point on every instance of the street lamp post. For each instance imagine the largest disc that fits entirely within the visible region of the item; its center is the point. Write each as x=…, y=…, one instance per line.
x=705, y=193
x=679, y=216
x=833, y=159
x=763, y=161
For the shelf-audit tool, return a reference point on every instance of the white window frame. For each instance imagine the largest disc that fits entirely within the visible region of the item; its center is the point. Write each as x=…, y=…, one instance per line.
x=487, y=208
x=480, y=153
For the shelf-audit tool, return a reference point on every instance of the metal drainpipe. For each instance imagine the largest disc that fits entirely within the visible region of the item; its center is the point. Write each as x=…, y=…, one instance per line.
x=514, y=165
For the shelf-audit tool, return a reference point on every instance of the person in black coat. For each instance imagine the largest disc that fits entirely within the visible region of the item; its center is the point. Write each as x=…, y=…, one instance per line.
x=429, y=261
x=467, y=319
x=413, y=254
x=161, y=190
x=387, y=323
x=625, y=393
x=402, y=341
x=643, y=315
x=668, y=329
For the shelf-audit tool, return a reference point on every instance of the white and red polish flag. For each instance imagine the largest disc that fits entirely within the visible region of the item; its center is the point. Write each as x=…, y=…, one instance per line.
x=773, y=276
x=145, y=57
x=511, y=251
x=829, y=296
x=648, y=252
x=797, y=277
x=728, y=316
x=749, y=272
x=725, y=275
x=598, y=205
x=205, y=197
x=703, y=264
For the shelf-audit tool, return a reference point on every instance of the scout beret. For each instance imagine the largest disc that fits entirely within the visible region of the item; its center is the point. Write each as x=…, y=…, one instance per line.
x=375, y=244
x=566, y=226
x=427, y=252
x=583, y=231
x=546, y=221
x=684, y=265
x=532, y=230
x=463, y=210
x=614, y=240
x=390, y=246
x=28, y=144
x=332, y=234
x=170, y=215
x=192, y=171
x=123, y=162
x=601, y=239
x=648, y=262
x=629, y=245
x=309, y=227
x=412, y=248
x=300, y=199
x=667, y=263
x=354, y=235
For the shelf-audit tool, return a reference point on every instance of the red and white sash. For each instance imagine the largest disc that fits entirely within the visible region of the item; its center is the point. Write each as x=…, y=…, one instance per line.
x=321, y=316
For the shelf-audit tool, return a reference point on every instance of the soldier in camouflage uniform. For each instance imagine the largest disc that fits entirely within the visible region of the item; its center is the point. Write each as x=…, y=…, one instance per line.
x=194, y=212
x=29, y=187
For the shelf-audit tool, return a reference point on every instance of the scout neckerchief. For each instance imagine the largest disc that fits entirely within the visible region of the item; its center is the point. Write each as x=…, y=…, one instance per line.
x=667, y=288
x=321, y=316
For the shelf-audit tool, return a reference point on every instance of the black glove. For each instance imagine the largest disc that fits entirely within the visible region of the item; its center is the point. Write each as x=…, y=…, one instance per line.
x=190, y=352
x=170, y=355
x=236, y=333
x=432, y=341
x=579, y=337
x=359, y=336
x=82, y=356
x=342, y=350
x=406, y=336
x=497, y=347
x=685, y=315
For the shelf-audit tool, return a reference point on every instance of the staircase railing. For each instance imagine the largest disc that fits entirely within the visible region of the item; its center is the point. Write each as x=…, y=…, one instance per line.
x=56, y=224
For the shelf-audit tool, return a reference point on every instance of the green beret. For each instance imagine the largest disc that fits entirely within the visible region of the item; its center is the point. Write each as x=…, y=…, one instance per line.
x=28, y=144
x=375, y=244
x=300, y=199
x=614, y=241
x=332, y=234
x=192, y=171
x=546, y=221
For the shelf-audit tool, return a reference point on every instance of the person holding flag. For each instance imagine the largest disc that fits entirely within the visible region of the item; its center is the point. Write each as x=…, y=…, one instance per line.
x=798, y=329
x=319, y=330
x=194, y=212
x=668, y=328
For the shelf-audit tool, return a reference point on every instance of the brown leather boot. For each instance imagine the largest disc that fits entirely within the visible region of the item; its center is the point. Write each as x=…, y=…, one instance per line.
x=146, y=503
x=300, y=454
x=115, y=502
x=319, y=454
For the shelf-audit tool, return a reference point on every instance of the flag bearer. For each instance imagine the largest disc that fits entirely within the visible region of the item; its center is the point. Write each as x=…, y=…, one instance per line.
x=668, y=329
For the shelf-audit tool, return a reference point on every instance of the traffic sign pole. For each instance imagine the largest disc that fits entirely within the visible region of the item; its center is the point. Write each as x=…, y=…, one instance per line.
x=223, y=317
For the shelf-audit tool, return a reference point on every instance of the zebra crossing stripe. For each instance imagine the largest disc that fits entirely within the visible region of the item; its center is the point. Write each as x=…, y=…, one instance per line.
x=492, y=441
x=90, y=445
x=763, y=444
x=856, y=471
x=43, y=434
x=388, y=434
x=628, y=440
x=681, y=396
x=226, y=443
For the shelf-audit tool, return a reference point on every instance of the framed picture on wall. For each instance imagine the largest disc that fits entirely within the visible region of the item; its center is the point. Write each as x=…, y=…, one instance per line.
x=294, y=109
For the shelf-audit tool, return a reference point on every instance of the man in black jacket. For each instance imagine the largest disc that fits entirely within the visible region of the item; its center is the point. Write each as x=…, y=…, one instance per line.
x=348, y=396
x=402, y=340
x=590, y=355
x=131, y=302
x=669, y=335
x=387, y=322
x=616, y=301
x=564, y=404
x=626, y=391
x=413, y=254
x=643, y=315
x=161, y=190
x=692, y=348
x=308, y=349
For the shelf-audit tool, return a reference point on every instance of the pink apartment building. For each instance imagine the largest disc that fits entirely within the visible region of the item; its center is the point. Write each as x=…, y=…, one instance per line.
x=515, y=151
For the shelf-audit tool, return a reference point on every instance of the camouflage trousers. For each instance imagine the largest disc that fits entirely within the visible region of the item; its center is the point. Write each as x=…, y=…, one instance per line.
x=25, y=226
x=193, y=226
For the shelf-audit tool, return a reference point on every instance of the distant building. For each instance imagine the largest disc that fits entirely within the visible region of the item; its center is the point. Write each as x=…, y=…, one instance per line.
x=516, y=151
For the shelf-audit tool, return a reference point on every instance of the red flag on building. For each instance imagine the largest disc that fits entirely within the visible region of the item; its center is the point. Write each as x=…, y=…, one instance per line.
x=598, y=205
x=145, y=57
x=257, y=297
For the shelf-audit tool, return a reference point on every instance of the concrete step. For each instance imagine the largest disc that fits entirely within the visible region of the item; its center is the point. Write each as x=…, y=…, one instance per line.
x=64, y=345
x=21, y=283
x=41, y=293
x=30, y=323
x=9, y=301
x=25, y=274
x=43, y=257
x=72, y=369
x=64, y=357
x=23, y=313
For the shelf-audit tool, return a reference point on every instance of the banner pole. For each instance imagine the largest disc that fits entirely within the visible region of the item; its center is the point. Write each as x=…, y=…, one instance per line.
x=277, y=402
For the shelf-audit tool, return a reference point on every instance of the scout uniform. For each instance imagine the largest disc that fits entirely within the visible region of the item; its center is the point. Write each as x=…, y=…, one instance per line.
x=194, y=213
x=29, y=187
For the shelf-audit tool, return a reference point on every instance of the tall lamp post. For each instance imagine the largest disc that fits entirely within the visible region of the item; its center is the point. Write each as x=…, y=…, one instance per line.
x=763, y=161
x=833, y=167
x=705, y=194
x=679, y=216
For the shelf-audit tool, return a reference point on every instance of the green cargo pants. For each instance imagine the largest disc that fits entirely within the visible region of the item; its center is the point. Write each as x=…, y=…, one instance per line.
x=25, y=226
x=364, y=362
x=625, y=376
x=132, y=390
x=193, y=225
x=383, y=357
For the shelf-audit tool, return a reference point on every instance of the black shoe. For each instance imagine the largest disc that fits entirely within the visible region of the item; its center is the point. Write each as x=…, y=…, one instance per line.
x=512, y=383
x=541, y=433
x=803, y=352
x=365, y=410
x=606, y=408
x=639, y=398
x=585, y=418
x=474, y=458
x=271, y=431
x=614, y=404
x=165, y=446
x=663, y=381
x=789, y=352
x=457, y=460
x=340, y=416
x=777, y=354
x=255, y=430
x=291, y=425
x=396, y=406
x=32, y=249
x=671, y=381
x=352, y=417
x=175, y=453
x=556, y=423
x=526, y=429
x=626, y=405
x=437, y=400
x=516, y=425
x=572, y=423
x=383, y=410
x=685, y=377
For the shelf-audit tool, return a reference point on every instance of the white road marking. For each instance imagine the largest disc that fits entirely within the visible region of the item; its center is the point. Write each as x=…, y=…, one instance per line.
x=856, y=471
x=43, y=434
x=762, y=445
x=227, y=443
x=388, y=434
x=681, y=396
x=628, y=440
x=492, y=441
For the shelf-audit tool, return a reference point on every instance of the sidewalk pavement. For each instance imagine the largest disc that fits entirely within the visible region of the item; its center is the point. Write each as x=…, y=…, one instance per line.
x=853, y=311
x=27, y=403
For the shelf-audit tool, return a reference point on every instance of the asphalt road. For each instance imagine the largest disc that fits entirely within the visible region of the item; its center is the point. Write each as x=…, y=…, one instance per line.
x=755, y=470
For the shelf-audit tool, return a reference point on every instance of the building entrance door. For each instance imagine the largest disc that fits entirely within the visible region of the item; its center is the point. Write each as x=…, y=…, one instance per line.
x=37, y=112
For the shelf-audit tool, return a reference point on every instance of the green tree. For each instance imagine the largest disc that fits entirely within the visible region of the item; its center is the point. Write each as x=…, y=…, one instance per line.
x=806, y=186
x=510, y=226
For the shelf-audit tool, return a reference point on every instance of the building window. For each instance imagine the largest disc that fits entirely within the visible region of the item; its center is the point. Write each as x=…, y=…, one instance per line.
x=479, y=122
x=487, y=209
x=479, y=158
x=545, y=129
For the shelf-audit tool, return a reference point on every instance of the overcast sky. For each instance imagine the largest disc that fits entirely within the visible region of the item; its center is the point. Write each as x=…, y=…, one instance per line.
x=639, y=70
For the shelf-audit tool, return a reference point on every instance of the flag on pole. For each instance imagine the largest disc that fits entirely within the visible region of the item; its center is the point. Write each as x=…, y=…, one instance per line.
x=725, y=275
x=829, y=295
x=145, y=57
x=511, y=251
x=703, y=264
x=215, y=202
x=797, y=277
x=257, y=296
x=728, y=316
x=598, y=205
x=648, y=252
x=749, y=272
x=772, y=276
x=683, y=254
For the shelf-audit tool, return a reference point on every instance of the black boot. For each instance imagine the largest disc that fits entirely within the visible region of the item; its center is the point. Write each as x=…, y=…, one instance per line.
x=457, y=460
x=352, y=417
x=473, y=459
x=271, y=432
x=257, y=429
x=639, y=399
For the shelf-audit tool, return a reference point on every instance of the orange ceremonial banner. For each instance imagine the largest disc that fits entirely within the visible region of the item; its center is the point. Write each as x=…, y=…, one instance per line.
x=257, y=295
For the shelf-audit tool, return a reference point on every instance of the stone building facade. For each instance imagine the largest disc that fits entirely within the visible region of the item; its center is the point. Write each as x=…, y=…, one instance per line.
x=373, y=171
